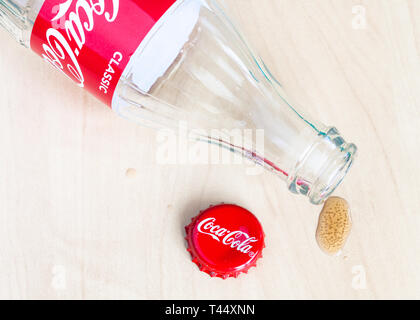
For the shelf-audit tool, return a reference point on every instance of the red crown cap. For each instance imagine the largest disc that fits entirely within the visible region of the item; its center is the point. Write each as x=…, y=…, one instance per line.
x=225, y=240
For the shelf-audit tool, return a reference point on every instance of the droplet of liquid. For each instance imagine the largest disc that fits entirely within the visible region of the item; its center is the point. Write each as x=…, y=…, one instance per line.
x=334, y=225
x=131, y=173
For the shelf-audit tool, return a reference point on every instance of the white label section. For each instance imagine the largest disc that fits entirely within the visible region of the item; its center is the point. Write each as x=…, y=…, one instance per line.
x=160, y=47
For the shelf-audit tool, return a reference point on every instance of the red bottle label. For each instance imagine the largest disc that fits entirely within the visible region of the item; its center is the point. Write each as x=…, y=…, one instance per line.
x=92, y=41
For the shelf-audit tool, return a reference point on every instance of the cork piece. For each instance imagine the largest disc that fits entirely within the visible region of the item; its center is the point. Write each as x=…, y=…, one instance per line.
x=334, y=225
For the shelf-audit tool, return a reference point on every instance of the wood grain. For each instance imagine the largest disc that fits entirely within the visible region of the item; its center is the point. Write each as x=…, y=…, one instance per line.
x=74, y=225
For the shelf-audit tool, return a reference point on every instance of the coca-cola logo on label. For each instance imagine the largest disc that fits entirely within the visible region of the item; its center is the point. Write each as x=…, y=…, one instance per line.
x=227, y=237
x=66, y=45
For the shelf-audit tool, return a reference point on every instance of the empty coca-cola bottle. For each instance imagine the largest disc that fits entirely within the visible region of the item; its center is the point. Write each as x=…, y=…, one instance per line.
x=162, y=61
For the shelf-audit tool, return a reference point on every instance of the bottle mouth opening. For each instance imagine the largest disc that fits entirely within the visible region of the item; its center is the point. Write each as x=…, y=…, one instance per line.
x=323, y=167
x=332, y=175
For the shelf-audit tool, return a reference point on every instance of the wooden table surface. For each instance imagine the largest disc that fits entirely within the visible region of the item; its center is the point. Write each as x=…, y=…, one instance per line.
x=74, y=224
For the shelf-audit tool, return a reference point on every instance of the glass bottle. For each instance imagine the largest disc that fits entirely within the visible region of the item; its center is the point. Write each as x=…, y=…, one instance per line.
x=194, y=66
